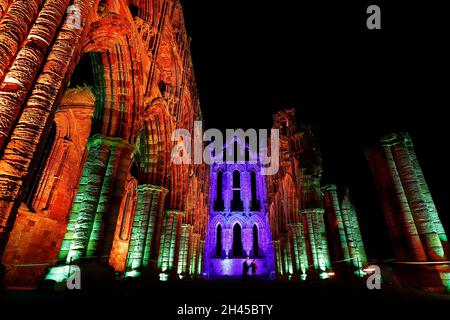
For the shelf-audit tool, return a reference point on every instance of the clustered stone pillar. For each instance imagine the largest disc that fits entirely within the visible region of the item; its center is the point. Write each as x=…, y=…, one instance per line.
x=183, y=257
x=247, y=240
x=278, y=256
x=86, y=235
x=345, y=228
x=401, y=225
x=194, y=246
x=288, y=267
x=317, y=240
x=201, y=252
x=337, y=229
x=168, y=247
x=23, y=71
x=355, y=243
x=144, y=242
x=414, y=225
x=297, y=235
x=21, y=142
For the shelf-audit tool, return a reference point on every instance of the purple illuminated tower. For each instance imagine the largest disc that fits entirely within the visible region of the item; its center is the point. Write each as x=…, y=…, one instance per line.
x=238, y=222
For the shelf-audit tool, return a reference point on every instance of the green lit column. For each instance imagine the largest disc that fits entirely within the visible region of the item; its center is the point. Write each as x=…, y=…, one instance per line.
x=278, y=258
x=335, y=218
x=312, y=238
x=200, y=257
x=401, y=224
x=317, y=240
x=100, y=173
x=431, y=207
x=183, y=256
x=194, y=246
x=105, y=220
x=150, y=204
x=83, y=211
x=299, y=248
x=416, y=200
x=91, y=206
x=323, y=252
x=355, y=243
x=168, y=244
x=286, y=247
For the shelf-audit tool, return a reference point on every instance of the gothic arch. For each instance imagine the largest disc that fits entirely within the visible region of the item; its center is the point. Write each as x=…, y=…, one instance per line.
x=255, y=219
x=147, y=10
x=237, y=219
x=170, y=76
x=72, y=123
x=116, y=61
x=153, y=150
x=219, y=219
x=290, y=201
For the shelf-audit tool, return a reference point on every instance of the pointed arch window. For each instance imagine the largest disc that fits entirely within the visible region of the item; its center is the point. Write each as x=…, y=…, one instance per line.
x=237, y=240
x=255, y=241
x=219, y=204
x=255, y=204
x=219, y=241
x=237, y=204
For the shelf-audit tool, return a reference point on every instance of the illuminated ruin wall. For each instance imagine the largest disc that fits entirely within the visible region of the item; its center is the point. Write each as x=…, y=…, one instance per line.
x=88, y=103
x=346, y=243
x=238, y=222
x=418, y=237
x=296, y=210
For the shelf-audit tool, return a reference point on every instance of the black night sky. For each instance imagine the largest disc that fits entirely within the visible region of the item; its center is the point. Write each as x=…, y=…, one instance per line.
x=253, y=58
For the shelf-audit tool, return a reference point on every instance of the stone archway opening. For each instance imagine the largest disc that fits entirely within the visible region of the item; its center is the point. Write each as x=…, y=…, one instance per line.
x=237, y=240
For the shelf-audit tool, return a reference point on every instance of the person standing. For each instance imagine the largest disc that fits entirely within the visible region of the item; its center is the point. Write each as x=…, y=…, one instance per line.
x=245, y=267
x=254, y=266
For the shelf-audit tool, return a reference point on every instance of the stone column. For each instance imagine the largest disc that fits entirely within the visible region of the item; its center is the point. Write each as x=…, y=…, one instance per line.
x=317, y=239
x=338, y=234
x=14, y=27
x=23, y=71
x=433, y=213
x=92, y=204
x=246, y=190
x=417, y=203
x=4, y=6
x=401, y=226
x=36, y=114
x=299, y=248
x=227, y=240
x=247, y=239
x=287, y=250
x=183, y=257
x=227, y=190
x=277, y=249
x=355, y=243
x=166, y=260
x=149, y=207
x=201, y=254
x=194, y=246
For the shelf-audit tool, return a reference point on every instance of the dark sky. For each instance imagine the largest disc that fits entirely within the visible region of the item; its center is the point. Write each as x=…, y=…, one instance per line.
x=254, y=57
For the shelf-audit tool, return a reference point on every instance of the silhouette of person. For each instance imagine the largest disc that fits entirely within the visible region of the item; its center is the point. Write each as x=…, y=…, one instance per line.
x=254, y=266
x=245, y=267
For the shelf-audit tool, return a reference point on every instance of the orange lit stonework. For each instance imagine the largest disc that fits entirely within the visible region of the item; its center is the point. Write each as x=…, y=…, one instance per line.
x=86, y=116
